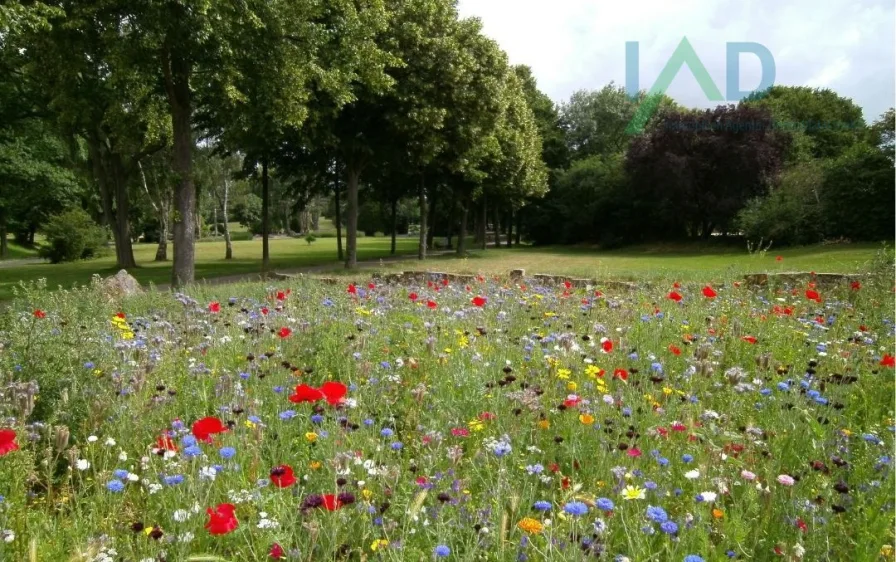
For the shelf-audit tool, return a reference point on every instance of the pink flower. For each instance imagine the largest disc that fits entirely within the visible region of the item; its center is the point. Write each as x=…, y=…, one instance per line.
x=634, y=452
x=786, y=480
x=747, y=475
x=460, y=432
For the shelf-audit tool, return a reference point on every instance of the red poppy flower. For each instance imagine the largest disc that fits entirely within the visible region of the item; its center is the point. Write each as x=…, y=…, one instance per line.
x=676, y=285
x=565, y=482
x=606, y=345
x=487, y=416
x=674, y=349
x=572, y=402
x=264, y=311
x=678, y=426
x=413, y=297
x=598, y=294
x=674, y=296
x=749, y=339
x=352, y=290
x=331, y=502
x=855, y=285
x=445, y=281
x=478, y=301
x=282, y=476
x=813, y=295
x=214, y=306
x=165, y=443
x=206, y=427
x=620, y=374
x=779, y=258
x=38, y=313
x=567, y=284
x=431, y=305
x=281, y=295
x=333, y=392
x=887, y=361
x=634, y=452
x=305, y=393
x=371, y=286
x=221, y=519
x=120, y=315
x=276, y=552
x=284, y=332
x=8, y=441
x=708, y=292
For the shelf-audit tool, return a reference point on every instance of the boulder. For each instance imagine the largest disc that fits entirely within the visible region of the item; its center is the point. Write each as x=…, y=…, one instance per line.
x=120, y=285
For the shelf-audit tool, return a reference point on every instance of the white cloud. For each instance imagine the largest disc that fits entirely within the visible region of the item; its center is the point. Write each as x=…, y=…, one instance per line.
x=580, y=44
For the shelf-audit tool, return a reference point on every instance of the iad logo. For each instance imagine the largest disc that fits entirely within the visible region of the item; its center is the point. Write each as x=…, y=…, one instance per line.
x=685, y=54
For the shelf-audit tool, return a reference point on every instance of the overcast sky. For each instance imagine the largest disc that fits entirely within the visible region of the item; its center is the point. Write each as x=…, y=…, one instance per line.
x=845, y=45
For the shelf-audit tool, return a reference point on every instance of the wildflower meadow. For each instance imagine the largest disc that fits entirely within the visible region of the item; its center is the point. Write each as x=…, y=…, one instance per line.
x=485, y=419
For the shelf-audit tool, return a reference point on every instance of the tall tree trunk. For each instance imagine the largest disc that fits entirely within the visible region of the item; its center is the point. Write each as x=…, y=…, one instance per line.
x=111, y=179
x=462, y=233
x=228, y=244
x=162, y=248
x=265, y=216
x=497, y=227
x=4, y=244
x=338, y=213
x=351, y=209
x=431, y=226
x=176, y=69
x=421, y=246
x=510, y=227
x=519, y=225
x=161, y=208
x=483, y=223
x=215, y=220
x=394, y=223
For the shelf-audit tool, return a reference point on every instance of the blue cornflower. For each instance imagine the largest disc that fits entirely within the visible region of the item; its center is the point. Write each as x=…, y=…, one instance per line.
x=657, y=514
x=502, y=449
x=287, y=415
x=378, y=521
x=669, y=527
x=765, y=391
x=397, y=446
x=663, y=461
x=121, y=474
x=656, y=367
x=575, y=508
x=192, y=451
x=278, y=389
x=783, y=386
x=386, y=432
x=730, y=554
x=368, y=422
x=542, y=505
x=871, y=438
x=227, y=452
x=650, y=485
x=188, y=441
x=604, y=504
x=254, y=419
x=173, y=480
x=693, y=558
x=317, y=418
x=244, y=376
x=115, y=486
x=687, y=458
x=535, y=469
x=627, y=412
x=89, y=365
x=441, y=551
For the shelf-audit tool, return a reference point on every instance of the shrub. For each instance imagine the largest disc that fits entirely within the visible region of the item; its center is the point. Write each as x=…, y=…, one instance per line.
x=310, y=238
x=791, y=213
x=72, y=235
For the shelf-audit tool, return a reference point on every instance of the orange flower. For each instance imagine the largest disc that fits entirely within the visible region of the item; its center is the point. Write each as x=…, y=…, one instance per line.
x=586, y=419
x=717, y=513
x=531, y=526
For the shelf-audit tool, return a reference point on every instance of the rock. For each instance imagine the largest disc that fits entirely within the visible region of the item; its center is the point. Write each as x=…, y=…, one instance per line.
x=517, y=274
x=756, y=279
x=122, y=284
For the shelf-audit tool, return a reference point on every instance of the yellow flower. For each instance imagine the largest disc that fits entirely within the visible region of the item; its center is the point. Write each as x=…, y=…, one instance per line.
x=571, y=386
x=592, y=371
x=363, y=311
x=476, y=425
x=550, y=314
x=845, y=432
x=633, y=493
x=314, y=465
x=531, y=526
x=311, y=437
x=886, y=551
x=379, y=543
x=250, y=424
x=601, y=484
x=586, y=419
x=463, y=342
x=448, y=350
x=667, y=391
x=366, y=493
x=544, y=424
x=563, y=373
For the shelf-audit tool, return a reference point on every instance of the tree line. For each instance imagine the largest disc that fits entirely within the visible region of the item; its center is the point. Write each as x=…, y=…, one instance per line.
x=169, y=119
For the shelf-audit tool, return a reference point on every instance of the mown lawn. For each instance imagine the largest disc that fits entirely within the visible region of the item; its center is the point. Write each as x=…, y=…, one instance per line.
x=286, y=253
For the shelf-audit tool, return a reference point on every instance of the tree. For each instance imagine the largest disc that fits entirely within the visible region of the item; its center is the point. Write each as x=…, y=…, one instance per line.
x=882, y=133
x=823, y=123
x=158, y=182
x=858, y=196
x=695, y=170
